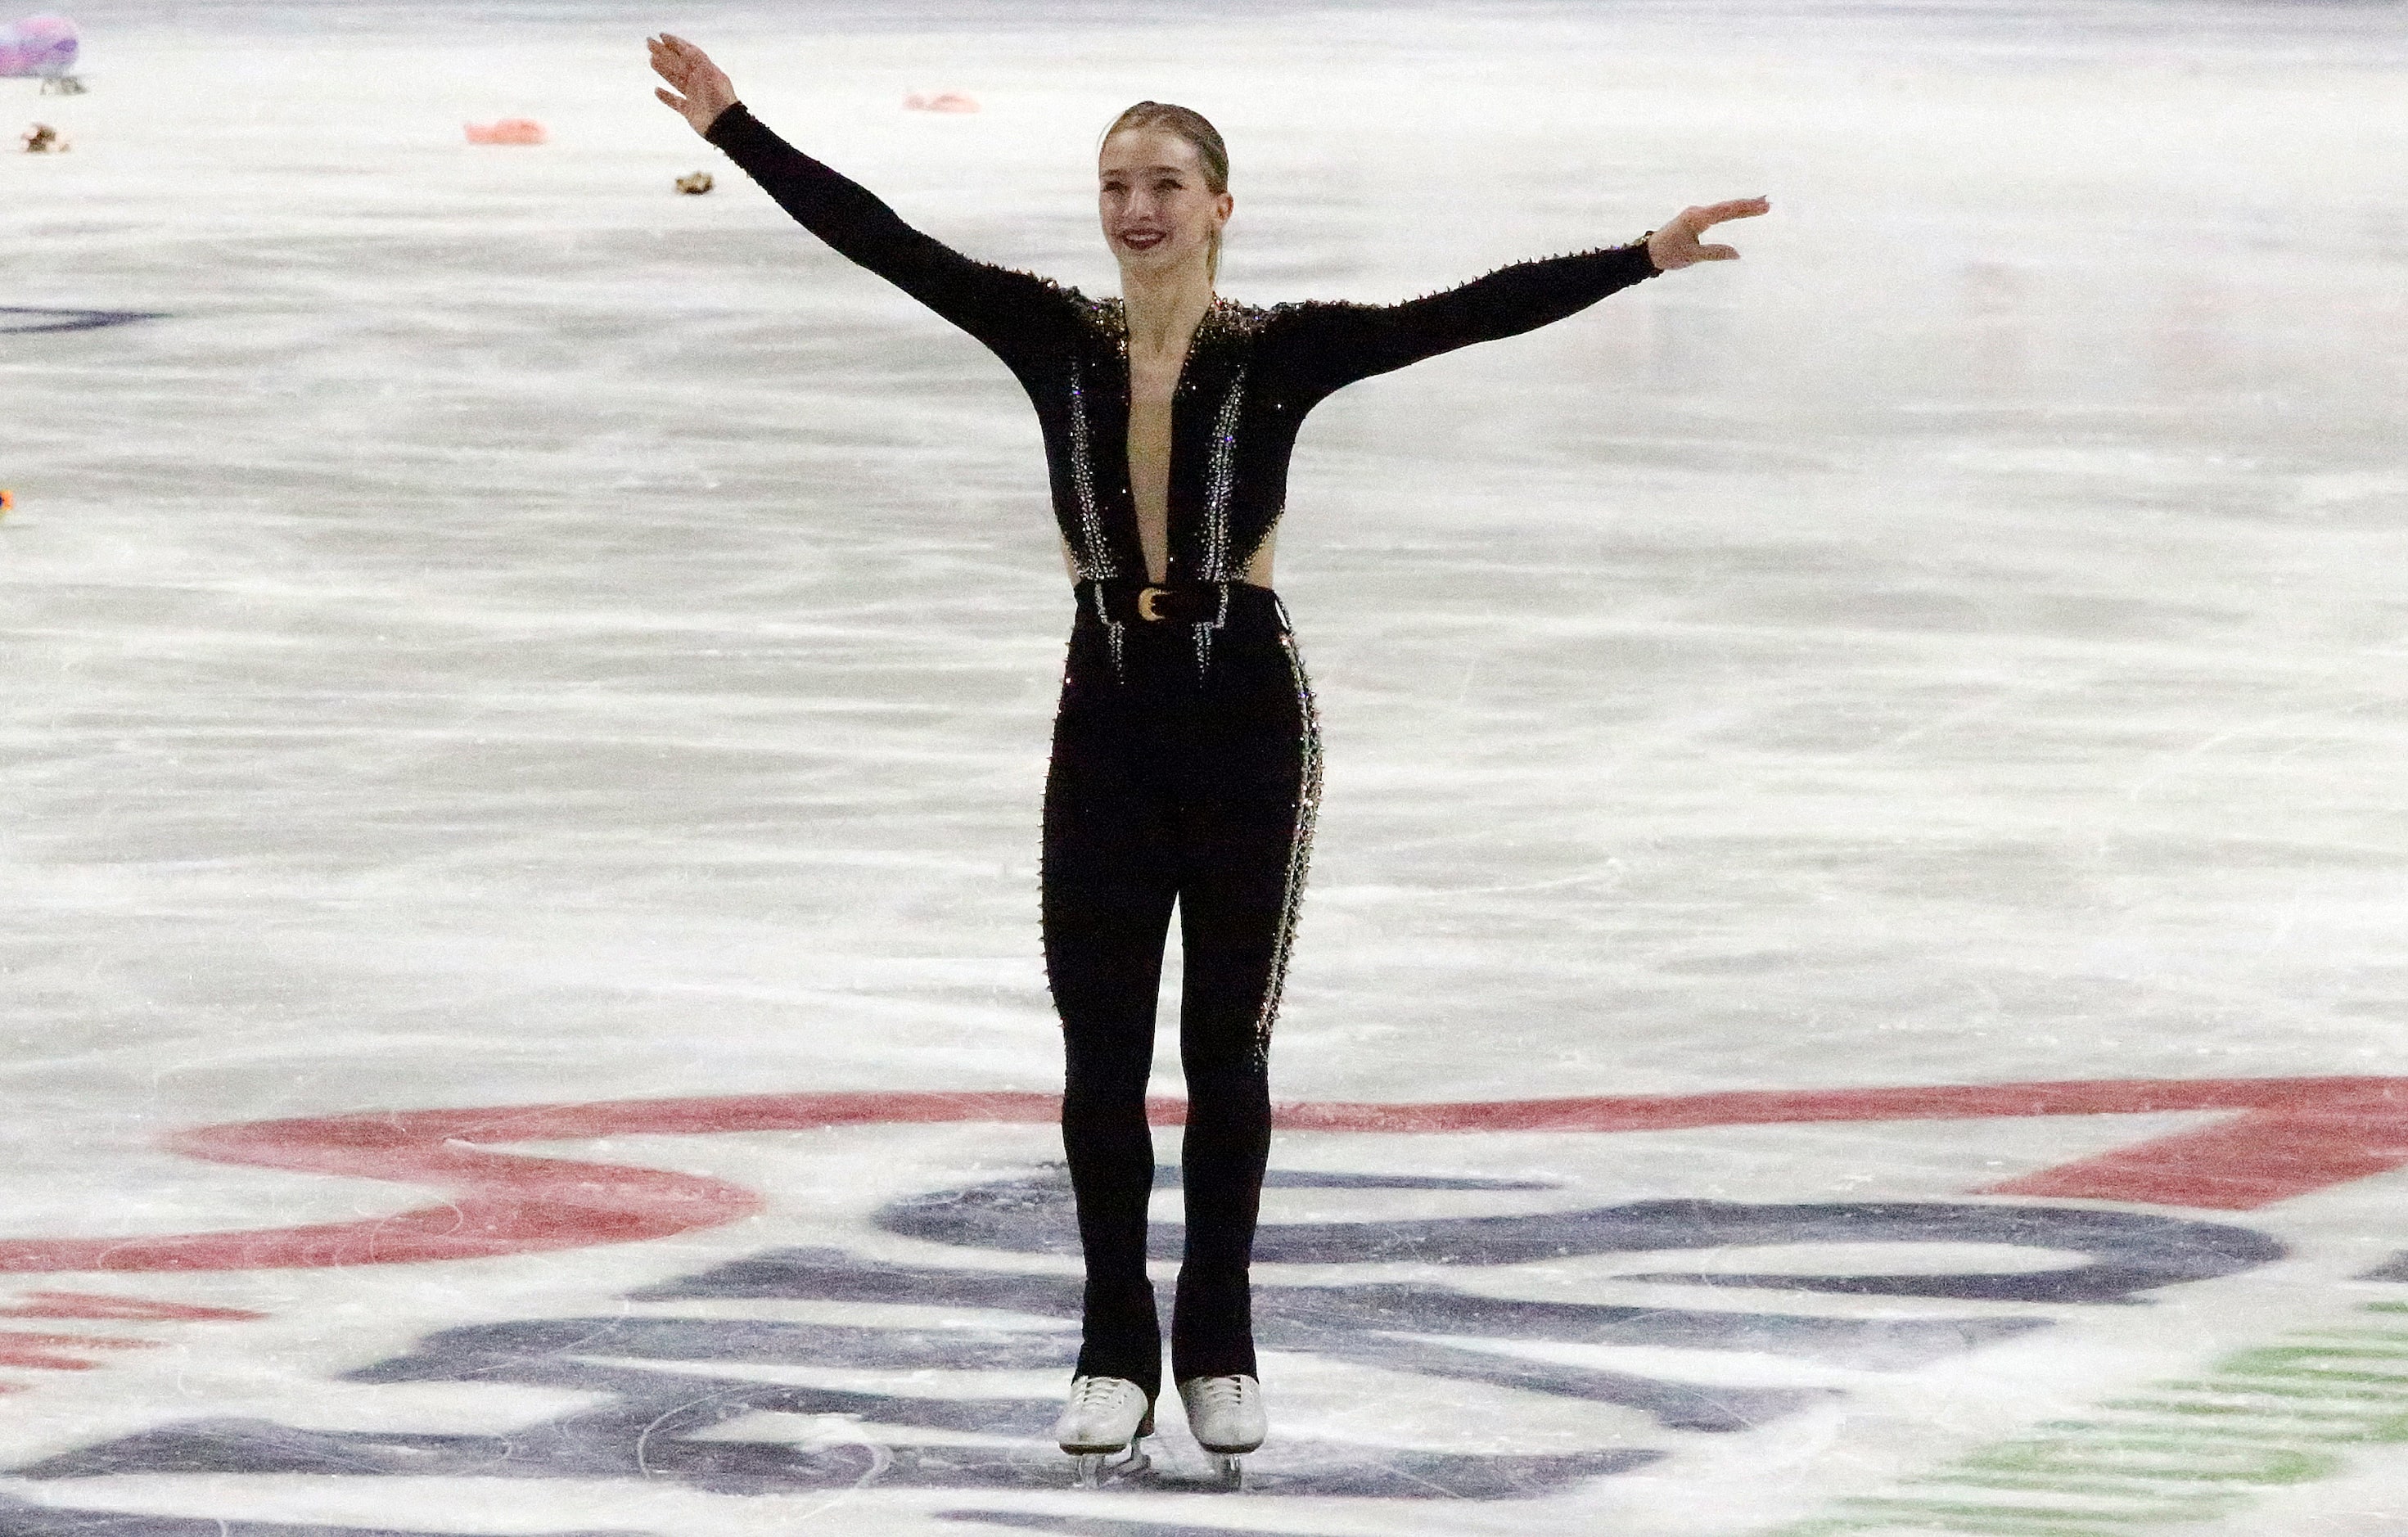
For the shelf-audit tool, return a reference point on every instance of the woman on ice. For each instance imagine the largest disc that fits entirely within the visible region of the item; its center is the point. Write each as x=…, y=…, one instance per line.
x=1186, y=758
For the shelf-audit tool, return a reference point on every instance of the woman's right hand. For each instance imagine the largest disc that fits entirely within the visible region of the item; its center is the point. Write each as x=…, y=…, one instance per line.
x=703, y=91
x=1676, y=244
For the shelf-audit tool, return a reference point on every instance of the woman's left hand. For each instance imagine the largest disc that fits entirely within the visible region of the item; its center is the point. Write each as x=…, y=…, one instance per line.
x=703, y=90
x=1676, y=244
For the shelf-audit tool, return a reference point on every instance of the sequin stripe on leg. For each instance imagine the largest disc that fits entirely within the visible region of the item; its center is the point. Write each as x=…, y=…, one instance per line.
x=1299, y=849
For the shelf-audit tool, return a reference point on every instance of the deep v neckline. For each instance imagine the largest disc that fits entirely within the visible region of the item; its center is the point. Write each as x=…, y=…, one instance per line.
x=1170, y=425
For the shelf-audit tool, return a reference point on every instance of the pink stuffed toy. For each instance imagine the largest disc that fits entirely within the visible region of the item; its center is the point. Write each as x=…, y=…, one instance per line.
x=507, y=131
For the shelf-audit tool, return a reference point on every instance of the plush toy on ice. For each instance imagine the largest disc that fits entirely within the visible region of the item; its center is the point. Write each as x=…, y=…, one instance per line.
x=42, y=46
x=507, y=131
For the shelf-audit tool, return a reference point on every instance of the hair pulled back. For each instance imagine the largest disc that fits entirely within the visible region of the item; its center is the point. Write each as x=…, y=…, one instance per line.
x=1190, y=125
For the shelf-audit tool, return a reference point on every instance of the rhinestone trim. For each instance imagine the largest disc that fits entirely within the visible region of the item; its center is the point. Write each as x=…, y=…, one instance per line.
x=1300, y=854
x=1203, y=631
x=1098, y=554
x=1220, y=479
x=1113, y=628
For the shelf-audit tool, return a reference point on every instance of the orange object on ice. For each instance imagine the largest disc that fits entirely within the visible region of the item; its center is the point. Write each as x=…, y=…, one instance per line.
x=507, y=131
x=7, y=501
x=943, y=101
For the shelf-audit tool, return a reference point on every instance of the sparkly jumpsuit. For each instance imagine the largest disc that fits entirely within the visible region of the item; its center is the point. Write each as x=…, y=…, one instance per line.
x=1186, y=759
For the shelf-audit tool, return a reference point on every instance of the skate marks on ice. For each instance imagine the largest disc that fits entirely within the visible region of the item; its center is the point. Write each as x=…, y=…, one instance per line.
x=21, y=1519
x=23, y=318
x=1095, y=1526
x=679, y=1395
x=742, y=1405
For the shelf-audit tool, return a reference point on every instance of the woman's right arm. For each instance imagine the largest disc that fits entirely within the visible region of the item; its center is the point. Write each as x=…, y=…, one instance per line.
x=1012, y=312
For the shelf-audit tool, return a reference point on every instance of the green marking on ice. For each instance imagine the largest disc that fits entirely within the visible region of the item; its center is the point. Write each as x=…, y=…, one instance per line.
x=2251, y=1411
x=2363, y=1428
x=1931, y=1516
x=2108, y=1466
x=2262, y=1419
x=2234, y=1389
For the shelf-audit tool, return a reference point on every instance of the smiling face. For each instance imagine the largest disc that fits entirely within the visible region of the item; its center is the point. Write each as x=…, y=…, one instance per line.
x=1157, y=203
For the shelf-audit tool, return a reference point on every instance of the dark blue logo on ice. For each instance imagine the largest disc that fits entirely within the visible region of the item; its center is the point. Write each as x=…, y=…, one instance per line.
x=20, y=318
x=719, y=1401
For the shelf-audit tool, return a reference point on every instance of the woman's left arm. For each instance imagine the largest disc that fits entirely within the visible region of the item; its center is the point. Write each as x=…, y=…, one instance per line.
x=1338, y=343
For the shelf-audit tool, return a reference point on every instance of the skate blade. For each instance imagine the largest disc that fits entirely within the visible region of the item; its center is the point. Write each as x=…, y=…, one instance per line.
x=1228, y=1469
x=1094, y=1468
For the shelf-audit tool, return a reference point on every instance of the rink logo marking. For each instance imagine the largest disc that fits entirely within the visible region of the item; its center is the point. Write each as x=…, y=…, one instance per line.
x=2285, y=1137
x=45, y=1352
x=23, y=319
x=2184, y=1450
x=660, y=1388
x=2174, y=1452
x=663, y=1390
x=85, y=1304
x=50, y=1352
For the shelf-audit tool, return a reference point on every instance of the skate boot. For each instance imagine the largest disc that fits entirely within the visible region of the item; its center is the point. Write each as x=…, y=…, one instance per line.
x=1227, y=1415
x=1105, y=1415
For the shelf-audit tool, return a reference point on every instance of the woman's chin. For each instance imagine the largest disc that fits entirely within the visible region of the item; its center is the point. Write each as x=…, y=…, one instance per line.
x=1154, y=263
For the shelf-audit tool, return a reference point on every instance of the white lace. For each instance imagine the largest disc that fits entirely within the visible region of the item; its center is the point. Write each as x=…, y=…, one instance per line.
x=1219, y=1392
x=1089, y=1391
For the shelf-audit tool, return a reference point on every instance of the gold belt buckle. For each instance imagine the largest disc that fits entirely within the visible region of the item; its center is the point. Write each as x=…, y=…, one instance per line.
x=1145, y=604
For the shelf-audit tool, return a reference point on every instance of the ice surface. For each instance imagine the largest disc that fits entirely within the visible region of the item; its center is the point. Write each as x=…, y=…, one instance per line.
x=507, y=633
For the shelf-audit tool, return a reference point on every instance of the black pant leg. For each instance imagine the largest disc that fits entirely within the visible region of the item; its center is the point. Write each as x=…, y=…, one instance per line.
x=1109, y=880
x=1245, y=832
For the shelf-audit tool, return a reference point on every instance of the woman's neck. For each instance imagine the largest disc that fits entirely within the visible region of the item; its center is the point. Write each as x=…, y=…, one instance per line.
x=1163, y=309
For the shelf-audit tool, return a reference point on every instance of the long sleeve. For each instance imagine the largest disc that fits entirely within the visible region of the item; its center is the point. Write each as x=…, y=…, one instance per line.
x=1337, y=343
x=1016, y=314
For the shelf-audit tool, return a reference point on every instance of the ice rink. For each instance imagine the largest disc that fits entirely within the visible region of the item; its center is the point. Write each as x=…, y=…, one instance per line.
x=1852, y=978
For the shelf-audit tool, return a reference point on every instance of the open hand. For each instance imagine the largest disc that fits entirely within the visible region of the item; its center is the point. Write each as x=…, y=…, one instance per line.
x=703, y=90
x=1676, y=244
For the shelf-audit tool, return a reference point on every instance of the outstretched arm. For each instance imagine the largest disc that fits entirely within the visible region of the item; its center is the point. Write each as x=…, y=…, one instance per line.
x=1338, y=343
x=1012, y=312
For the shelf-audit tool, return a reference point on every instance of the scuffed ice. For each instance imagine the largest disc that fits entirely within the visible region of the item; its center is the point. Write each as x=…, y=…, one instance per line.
x=479, y=628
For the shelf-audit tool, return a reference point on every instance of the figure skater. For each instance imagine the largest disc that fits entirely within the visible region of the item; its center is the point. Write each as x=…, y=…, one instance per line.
x=1186, y=755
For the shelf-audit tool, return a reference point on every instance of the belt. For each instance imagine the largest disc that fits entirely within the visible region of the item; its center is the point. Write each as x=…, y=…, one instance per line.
x=1179, y=603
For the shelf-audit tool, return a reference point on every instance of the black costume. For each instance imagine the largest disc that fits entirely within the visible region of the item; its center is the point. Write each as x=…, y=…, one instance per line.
x=1186, y=756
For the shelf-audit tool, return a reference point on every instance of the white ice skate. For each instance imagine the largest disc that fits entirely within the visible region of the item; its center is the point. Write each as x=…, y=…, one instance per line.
x=1105, y=1415
x=1227, y=1415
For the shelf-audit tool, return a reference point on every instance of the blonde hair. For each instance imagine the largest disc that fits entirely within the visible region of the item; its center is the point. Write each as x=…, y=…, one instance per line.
x=1190, y=125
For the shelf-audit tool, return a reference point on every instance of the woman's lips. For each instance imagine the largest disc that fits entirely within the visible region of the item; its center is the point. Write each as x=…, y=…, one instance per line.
x=1143, y=239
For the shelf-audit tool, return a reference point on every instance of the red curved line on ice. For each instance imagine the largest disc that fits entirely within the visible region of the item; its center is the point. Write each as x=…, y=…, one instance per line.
x=2291, y=1136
